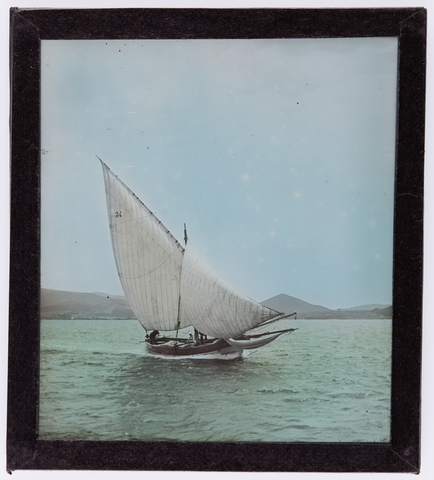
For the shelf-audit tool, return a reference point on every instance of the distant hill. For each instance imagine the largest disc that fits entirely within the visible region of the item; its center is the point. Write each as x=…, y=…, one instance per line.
x=57, y=304
x=287, y=304
x=368, y=307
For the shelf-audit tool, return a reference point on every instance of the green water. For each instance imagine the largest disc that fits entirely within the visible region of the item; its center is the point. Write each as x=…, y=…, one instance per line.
x=327, y=382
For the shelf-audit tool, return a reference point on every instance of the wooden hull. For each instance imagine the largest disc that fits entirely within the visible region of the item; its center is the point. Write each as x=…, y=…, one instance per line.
x=170, y=347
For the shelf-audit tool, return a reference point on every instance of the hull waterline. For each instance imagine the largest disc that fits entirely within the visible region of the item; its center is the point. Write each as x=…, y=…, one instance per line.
x=173, y=348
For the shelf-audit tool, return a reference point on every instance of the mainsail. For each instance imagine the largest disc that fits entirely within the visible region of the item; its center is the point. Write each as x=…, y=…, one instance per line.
x=148, y=257
x=169, y=287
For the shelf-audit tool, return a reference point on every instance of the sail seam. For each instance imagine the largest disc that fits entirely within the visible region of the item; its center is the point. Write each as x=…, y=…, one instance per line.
x=151, y=214
x=147, y=273
x=235, y=289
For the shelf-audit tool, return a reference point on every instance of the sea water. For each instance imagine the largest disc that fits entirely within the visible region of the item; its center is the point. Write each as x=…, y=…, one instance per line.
x=329, y=381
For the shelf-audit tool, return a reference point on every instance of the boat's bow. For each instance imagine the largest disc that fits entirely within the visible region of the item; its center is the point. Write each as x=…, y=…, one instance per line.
x=249, y=342
x=252, y=343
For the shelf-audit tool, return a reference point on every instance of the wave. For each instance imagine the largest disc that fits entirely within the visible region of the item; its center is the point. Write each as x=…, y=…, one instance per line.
x=278, y=390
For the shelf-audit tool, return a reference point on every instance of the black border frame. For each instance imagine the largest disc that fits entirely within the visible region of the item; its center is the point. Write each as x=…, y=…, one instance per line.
x=28, y=27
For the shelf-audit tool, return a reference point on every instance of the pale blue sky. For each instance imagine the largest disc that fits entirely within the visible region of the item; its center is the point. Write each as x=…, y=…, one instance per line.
x=277, y=154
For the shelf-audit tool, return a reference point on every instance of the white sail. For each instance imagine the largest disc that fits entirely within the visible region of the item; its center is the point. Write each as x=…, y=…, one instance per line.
x=167, y=286
x=213, y=306
x=148, y=258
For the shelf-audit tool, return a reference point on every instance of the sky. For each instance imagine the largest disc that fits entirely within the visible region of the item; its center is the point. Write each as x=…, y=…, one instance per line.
x=279, y=155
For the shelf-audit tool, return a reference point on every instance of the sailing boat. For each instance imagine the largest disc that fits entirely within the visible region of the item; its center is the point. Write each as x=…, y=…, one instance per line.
x=169, y=287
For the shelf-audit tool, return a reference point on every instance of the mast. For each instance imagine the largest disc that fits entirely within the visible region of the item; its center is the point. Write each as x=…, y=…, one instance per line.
x=180, y=280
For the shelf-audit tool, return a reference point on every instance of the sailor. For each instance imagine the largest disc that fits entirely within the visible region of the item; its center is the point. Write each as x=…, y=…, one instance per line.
x=196, y=337
x=153, y=335
x=190, y=338
x=202, y=337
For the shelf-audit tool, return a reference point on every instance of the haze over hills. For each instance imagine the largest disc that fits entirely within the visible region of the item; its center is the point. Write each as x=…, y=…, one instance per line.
x=369, y=307
x=287, y=304
x=56, y=304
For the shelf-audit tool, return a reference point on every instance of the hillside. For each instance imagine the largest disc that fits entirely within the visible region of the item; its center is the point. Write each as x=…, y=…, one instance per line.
x=369, y=307
x=287, y=304
x=65, y=305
